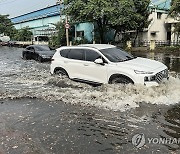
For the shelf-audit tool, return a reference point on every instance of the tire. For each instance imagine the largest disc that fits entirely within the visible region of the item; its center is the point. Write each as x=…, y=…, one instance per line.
x=61, y=72
x=40, y=59
x=121, y=80
x=25, y=57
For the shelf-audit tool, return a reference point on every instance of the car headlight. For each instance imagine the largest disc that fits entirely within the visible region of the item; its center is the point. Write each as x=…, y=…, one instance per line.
x=142, y=72
x=45, y=56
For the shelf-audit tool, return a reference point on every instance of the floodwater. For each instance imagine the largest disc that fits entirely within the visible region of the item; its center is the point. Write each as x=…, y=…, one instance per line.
x=40, y=113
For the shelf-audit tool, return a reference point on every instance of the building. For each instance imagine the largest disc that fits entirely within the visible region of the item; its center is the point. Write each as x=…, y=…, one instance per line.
x=161, y=27
x=41, y=23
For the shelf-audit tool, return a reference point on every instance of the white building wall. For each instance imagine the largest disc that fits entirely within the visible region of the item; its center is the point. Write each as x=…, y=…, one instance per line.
x=157, y=29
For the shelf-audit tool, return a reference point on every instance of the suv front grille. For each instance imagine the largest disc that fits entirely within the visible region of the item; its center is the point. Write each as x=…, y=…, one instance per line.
x=159, y=76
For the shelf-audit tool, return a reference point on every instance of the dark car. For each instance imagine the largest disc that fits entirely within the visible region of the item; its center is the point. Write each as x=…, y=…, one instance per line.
x=38, y=52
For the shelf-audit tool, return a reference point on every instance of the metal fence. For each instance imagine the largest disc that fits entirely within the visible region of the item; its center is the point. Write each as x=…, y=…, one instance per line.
x=158, y=43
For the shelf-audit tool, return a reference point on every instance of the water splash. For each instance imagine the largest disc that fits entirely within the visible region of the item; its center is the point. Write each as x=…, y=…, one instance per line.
x=19, y=79
x=114, y=97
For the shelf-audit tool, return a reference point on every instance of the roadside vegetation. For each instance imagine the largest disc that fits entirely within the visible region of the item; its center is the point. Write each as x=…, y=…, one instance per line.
x=23, y=34
x=7, y=28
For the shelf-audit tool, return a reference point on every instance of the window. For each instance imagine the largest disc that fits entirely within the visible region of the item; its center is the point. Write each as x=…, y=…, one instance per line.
x=159, y=14
x=77, y=54
x=42, y=48
x=153, y=33
x=80, y=33
x=92, y=55
x=64, y=53
x=116, y=55
x=30, y=48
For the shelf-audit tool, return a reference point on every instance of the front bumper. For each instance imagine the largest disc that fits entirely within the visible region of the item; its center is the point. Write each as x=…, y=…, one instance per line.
x=156, y=79
x=154, y=83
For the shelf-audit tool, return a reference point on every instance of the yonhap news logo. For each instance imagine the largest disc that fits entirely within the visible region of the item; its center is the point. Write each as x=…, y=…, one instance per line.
x=139, y=140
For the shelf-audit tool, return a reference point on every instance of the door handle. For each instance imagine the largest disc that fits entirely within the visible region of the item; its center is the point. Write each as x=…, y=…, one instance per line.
x=86, y=64
x=66, y=62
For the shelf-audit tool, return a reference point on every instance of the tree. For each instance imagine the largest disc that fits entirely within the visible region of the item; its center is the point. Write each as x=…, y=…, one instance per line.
x=141, y=16
x=175, y=9
x=59, y=39
x=90, y=11
x=120, y=15
x=23, y=34
x=6, y=26
x=175, y=13
x=130, y=16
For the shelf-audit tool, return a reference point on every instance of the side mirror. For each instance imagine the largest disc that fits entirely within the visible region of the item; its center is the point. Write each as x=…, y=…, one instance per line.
x=99, y=61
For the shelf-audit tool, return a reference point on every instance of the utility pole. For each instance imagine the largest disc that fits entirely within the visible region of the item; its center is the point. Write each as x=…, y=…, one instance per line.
x=67, y=31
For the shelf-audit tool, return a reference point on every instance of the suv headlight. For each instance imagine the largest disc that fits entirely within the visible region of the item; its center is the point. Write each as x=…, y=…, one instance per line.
x=142, y=72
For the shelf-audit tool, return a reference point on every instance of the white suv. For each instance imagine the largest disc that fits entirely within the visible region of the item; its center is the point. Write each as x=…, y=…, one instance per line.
x=102, y=63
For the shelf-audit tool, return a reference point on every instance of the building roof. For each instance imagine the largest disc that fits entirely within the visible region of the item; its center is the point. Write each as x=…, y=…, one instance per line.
x=161, y=4
x=55, y=10
x=42, y=13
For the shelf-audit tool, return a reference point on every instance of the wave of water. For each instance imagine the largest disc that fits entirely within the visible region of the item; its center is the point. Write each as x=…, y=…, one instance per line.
x=40, y=84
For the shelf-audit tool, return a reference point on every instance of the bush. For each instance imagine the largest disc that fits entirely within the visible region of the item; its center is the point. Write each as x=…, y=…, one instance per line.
x=82, y=41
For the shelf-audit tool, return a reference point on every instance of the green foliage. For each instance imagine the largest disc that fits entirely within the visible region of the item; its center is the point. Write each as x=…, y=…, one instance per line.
x=177, y=27
x=175, y=13
x=59, y=39
x=120, y=15
x=175, y=9
x=82, y=41
x=6, y=26
x=23, y=34
x=8, y=29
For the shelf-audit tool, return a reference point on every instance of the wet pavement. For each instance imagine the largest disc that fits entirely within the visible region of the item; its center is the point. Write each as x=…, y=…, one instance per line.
x=40, y=113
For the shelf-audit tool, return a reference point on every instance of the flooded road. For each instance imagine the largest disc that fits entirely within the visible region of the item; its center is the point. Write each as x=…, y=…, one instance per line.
x=40, y=113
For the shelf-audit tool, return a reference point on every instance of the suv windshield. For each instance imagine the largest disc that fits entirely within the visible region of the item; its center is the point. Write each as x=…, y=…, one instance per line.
x=116, y=55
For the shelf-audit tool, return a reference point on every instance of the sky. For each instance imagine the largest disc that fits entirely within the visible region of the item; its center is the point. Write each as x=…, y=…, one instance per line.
x=18, y=7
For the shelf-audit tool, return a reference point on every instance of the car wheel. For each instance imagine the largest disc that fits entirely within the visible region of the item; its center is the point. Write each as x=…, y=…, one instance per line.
x=61, y=72
x=121, y=80
x=40, y=59
x=25, y=57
